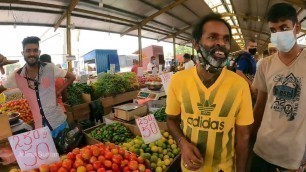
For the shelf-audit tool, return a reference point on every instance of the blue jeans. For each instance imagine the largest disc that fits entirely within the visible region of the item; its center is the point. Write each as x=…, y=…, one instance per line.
x=57, y=130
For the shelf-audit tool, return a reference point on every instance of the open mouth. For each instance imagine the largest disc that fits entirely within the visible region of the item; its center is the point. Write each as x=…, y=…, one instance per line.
x=219, y=54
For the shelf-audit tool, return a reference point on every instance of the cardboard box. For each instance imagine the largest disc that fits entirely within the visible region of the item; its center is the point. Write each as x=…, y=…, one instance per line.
x=128, y=111
x=5, y=127
x=80, y=112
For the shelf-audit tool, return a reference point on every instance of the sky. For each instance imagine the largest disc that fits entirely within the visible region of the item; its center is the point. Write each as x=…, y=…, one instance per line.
x=83, y=41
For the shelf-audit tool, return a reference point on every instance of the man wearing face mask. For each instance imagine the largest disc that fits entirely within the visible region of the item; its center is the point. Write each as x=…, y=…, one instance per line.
x=280, y=125
x=213, y=109
x=246, y=64
x=152, y=64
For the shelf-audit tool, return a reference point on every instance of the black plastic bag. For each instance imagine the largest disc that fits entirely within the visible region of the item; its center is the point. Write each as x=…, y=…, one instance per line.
x=68, y=139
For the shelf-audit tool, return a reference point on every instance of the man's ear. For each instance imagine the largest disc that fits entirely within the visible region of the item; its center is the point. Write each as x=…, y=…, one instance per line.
x=297, y=28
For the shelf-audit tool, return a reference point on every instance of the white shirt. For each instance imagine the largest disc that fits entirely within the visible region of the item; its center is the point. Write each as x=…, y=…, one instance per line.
x=281, y=138
x=188, y=64
x=150, y=66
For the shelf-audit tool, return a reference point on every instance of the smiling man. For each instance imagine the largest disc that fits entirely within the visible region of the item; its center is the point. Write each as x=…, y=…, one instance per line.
x=36, y=80
x=281, y=103
x=209, y=107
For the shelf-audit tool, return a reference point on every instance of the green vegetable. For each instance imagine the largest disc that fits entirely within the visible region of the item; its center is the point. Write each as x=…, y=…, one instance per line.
x=114, y=133
x=75, y=91
x=130, y=80
x=160, y=115
x=109, y=85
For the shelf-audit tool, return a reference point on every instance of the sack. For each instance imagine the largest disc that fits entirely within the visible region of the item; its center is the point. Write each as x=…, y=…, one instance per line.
x=68, y=139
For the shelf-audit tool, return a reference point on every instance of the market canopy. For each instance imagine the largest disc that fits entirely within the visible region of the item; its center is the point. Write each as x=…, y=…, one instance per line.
x=158, y=19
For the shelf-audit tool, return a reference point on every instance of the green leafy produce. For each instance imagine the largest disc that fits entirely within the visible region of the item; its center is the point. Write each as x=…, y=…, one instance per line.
x=109, y=85
x=160, y=115
x=130, y=80
x=75, y=91
x=114, y=133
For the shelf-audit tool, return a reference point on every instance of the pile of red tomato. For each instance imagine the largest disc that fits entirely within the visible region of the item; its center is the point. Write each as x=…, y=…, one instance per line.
x=98, y=158
x=21, y=106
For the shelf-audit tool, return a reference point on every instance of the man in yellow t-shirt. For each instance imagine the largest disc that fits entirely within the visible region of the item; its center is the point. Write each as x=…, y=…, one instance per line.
x=209, y=108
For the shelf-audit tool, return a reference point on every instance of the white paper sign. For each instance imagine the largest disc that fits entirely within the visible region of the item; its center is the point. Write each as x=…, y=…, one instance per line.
x=139, y=71
x=160, y=68
x=112, y=68
x=148, y=128
x=166, y=80
x=70, y=58
x=34, y=148
x=154, y=71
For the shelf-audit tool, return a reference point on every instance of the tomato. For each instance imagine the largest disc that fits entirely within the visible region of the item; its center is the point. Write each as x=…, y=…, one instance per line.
x=44, y=168
x=114, y=151
x=81, y=169
x=77, y=163
x=140, y=160
x=127, y=156
x=86, y=154
x=115, y=167
x=101, y=170
x=108, y=155
x=97, y=165
x=72, y=170
x=70, y=155
x=101, y=158
x=67, y=163
x=58, y=164
x=133, y=165
x=76, y=151
x=107, y=163
x=141, y=167
x=117, y=159
x=95, y=151
x=53, y=168
x=89, y=167
x=93, y=159
x=133, y=157
x=124, y=163
x=121, y=151
x=126, y=169
x=112, y=146
x=79, y=156
x=62, y=169
x=148, y=170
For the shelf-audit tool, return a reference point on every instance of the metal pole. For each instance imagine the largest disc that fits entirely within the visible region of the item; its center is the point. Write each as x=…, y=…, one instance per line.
x=174, y=49
x=68, y=31
x=139, y=45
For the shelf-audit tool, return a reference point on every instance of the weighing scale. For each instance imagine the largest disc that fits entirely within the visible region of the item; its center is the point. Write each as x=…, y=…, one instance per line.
x=154, y=95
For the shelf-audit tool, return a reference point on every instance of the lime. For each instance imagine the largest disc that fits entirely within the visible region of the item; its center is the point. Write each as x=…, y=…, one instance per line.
x=158, y=169
x=166, y=134
x=167, y=162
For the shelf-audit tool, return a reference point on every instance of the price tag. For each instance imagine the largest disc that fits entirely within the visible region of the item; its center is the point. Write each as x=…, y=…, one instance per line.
x=148, y=128
x=166, y=80
x=34, y=148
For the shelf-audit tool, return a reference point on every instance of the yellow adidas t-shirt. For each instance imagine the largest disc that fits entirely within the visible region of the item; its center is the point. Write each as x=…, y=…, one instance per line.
x=209, y=114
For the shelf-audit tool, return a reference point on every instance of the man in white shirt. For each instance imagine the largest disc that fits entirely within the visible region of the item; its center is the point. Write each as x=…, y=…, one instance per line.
x=152, y=64
x=188, y=63
x=279, y=112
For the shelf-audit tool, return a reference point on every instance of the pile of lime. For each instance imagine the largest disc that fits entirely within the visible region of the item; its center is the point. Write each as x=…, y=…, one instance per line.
x=159, y=154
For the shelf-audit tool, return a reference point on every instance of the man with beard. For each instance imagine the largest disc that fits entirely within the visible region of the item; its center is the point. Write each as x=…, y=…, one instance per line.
x=36, y=80
x=213, y=104
x=246, y=64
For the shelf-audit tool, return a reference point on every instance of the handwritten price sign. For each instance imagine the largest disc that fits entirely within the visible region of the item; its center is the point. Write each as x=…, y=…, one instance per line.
x=34, y=148
x=148, y=128
x=166, y=80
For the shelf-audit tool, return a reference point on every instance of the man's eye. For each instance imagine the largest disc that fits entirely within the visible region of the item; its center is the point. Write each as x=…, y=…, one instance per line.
x=272, y=30
x=227, y=40
x=212, y=38
x=284, y=29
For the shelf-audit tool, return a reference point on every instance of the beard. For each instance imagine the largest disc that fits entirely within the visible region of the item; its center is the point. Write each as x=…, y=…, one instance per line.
x=31, y=60
x=213, y=58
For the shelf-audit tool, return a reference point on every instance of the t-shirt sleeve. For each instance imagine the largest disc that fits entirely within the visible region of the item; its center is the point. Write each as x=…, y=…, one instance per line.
x=245, y=112
x=10, y=81
x=173, y=105
x=242, y=64
x=58, y=72
x=259, y=80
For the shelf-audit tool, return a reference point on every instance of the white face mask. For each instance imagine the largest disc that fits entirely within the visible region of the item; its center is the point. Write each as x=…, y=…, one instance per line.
x=284, y=41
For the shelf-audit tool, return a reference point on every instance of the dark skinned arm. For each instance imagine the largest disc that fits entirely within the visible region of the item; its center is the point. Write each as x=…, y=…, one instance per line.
x=190, y=153
x=69, y=80
x=242, y=146
x=258, y=113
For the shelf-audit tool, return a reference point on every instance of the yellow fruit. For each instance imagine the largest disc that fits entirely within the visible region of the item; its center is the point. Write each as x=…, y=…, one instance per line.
x=154, y=149
x=166, y=134
x=167, y=162
x=173, y=146
x=170, y=141
x=158, y=169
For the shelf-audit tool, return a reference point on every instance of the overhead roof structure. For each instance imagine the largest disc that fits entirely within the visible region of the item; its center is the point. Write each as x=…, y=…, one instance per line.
x=158, y=19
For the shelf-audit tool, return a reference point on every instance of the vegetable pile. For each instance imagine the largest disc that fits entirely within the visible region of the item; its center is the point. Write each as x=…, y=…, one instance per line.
x=160, y=115
x=21, y=106
x=75, y=93
x=114, y=133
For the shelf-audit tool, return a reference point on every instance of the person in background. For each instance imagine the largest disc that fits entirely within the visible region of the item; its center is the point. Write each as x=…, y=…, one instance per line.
x=152, y=64
x=209, y=108
x=280, y=121
x=36, y=80
x=272, y=49
x=135, y=66
x=188, y=63
x=246, y=64
x=59, y=82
